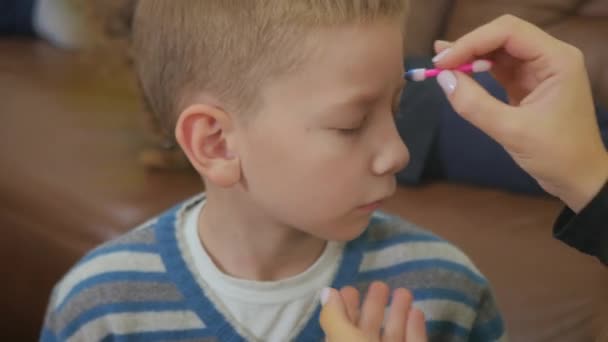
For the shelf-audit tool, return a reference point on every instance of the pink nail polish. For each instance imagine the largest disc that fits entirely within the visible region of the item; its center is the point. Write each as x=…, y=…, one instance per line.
x=448, y=82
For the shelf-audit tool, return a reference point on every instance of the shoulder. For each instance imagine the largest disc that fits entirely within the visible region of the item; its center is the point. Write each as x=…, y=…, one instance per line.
x=391, y=240
x=447, y=286
x=131, y=253
x=120, y=280
x=393, y=245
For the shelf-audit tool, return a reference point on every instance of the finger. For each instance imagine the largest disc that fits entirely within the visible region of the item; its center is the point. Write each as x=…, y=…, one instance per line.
x=334, y=319
x=475, y=104
x=372, y=313
x=441, y=45
x=416, y=327
x=400, y=306
x=352, y=301
x=504, y=63
x=518, y=38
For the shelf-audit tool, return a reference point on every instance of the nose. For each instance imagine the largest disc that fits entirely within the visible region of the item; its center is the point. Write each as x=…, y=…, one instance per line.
x=393, y=155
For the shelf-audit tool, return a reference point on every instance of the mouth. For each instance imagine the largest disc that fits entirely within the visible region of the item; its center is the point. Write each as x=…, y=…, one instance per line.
x=371, y=206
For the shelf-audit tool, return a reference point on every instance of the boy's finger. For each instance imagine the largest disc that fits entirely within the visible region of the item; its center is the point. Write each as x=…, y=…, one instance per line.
x=518, y=38
x=352, y=301
x=334, y=319
x=475, y=104
x=372, y=313
x=416, y=327
x=400, y=306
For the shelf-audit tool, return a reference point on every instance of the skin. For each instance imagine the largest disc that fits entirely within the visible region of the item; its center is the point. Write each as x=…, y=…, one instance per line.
x=548, y=128
x=343, y=320
x=298, y=173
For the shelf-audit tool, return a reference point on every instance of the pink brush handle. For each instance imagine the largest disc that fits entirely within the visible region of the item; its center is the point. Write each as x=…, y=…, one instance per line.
x=466, y=68
x=435, y=72
x=432, y=72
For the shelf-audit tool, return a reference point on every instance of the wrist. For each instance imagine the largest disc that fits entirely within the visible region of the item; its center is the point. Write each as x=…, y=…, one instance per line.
x=586, y=187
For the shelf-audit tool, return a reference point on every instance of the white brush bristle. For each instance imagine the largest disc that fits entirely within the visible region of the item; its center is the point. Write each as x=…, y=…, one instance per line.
x=418, y=75
x=482, y=65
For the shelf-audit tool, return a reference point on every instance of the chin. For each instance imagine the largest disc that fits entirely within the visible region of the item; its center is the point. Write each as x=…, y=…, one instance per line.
x=348, y=231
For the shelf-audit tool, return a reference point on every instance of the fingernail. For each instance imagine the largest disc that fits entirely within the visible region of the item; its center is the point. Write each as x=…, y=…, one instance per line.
x=444, y=42
x=325, y=295
x=441, y=55
x=447, y=81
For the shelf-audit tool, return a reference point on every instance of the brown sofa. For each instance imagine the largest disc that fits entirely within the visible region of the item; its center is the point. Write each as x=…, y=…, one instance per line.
x=583, y=23
x=69, y=179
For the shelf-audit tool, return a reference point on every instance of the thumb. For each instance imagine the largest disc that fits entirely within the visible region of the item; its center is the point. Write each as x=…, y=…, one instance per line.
x=334, y=318
x=474, y=103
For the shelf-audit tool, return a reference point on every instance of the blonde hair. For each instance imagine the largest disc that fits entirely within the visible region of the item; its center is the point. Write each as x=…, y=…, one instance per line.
x=230, y=47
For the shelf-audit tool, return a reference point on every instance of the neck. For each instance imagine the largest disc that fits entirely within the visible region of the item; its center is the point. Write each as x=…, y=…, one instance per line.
x=245, y=243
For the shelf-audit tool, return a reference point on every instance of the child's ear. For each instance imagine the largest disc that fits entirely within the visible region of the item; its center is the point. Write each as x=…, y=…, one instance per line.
x=205, y=134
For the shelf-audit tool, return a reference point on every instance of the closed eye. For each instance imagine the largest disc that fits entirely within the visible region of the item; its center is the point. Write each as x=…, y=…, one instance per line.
x=349, y=131
x=353, y=130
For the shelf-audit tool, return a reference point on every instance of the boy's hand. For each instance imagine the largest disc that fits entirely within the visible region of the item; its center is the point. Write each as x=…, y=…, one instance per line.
x=342, y=320
x=549, y=126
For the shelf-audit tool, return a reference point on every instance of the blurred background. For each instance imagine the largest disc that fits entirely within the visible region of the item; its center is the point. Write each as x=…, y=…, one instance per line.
x=82, y=160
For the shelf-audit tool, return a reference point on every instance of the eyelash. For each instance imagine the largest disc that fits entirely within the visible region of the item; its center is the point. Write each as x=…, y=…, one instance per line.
x=349, y=131
x=352, y=131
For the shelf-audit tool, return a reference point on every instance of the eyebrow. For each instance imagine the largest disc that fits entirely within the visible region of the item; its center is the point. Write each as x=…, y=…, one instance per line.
x=366, y=99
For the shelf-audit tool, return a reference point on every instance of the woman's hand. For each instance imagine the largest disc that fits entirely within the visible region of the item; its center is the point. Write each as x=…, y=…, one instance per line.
x=549, y=126
x=342, y=320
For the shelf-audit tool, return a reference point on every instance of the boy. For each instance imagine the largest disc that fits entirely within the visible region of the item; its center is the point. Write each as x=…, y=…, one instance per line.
x=285, y=108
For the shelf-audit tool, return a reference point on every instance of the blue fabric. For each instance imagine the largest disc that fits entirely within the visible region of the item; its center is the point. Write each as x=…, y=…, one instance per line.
x=16, y=17
x=466, y=154
x=165, y=233
x=423, y=263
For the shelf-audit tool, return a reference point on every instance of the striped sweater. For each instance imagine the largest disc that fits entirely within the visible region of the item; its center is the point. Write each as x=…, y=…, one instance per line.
x=139, y=288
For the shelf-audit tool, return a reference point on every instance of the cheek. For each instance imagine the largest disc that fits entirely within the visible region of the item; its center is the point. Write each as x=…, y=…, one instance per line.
x=304, y=172
x=323, y=163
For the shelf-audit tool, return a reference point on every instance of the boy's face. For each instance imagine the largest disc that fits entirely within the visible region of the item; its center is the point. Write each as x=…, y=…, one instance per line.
x=323, y=150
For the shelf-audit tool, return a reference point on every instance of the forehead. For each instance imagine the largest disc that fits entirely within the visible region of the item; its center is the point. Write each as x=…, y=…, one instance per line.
x=356, y=52
x=346, y=61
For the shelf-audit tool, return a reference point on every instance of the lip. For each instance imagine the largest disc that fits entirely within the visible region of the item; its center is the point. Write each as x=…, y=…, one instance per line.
x=371, y=206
